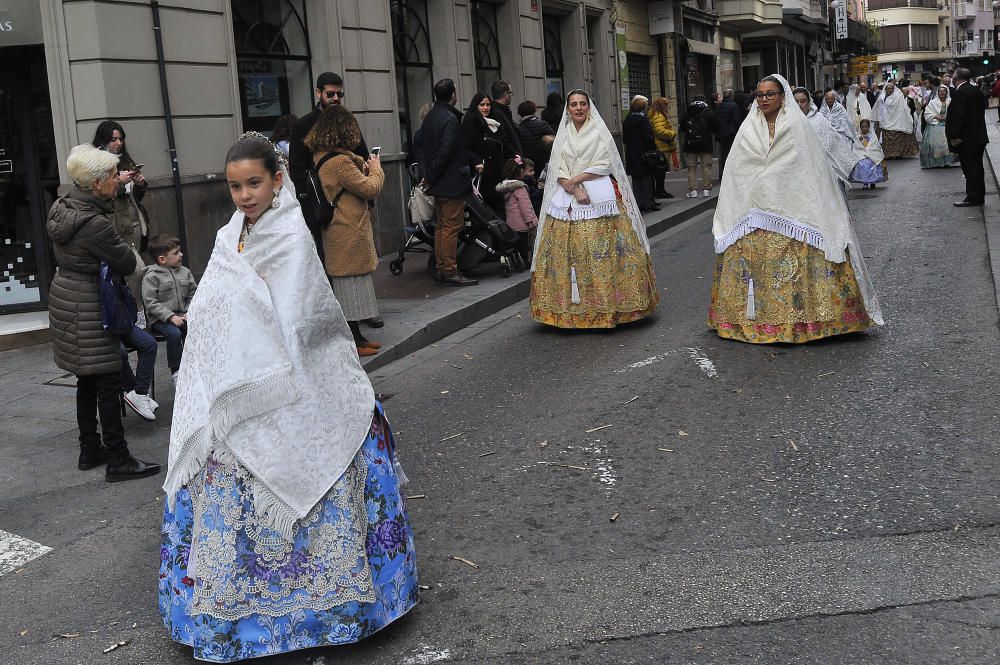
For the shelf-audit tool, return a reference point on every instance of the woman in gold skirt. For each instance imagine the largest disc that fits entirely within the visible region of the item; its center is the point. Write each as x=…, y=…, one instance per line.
x=591, y=266
x=788, y=266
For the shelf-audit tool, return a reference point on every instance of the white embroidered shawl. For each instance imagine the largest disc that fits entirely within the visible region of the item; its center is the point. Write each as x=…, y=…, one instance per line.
x=894, y=113
x=936, y=107
x=838, y=147
x=270, y=374
x=838, y=119
x=858, y=108
x=872, y=151
x=589, y=150
x=787, y=187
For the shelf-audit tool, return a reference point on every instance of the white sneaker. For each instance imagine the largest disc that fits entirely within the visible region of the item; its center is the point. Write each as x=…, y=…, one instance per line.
x=706, y=193
x=152, y=402
x=693, y=194
x=139, y=404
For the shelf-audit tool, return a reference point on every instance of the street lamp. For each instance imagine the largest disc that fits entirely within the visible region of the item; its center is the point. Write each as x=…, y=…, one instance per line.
x=837, y=4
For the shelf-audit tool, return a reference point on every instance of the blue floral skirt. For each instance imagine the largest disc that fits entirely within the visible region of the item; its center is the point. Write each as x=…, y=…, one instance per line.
x=868, y=172
x=388, y=548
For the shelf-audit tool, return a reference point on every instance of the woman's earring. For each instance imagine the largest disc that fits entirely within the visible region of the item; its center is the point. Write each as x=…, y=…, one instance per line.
x=274, y=201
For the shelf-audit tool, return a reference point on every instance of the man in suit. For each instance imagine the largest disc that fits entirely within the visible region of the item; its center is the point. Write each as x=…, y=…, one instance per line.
x=965, y=128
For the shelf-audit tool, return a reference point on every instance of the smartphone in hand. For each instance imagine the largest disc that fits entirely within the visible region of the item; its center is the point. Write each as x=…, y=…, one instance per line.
x=376, y=150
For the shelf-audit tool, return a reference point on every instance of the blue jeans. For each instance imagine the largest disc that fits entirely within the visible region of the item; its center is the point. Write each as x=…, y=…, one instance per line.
x=145, y=347
x=175, y=342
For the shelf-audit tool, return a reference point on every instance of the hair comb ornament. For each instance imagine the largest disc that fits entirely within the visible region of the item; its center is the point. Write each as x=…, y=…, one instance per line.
x=252, y=134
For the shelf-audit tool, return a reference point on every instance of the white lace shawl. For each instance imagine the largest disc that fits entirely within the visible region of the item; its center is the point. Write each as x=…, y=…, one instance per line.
x=858, y=108
x=838, y=147
x=893, y=113
x=271, y=375
x=935, y=107
x=838, y=119
x=787, y=187
x=589, y=150
x=872, y=151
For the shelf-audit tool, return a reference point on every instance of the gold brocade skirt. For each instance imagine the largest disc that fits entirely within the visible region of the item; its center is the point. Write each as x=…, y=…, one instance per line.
x=614, y=275
x=798, y=295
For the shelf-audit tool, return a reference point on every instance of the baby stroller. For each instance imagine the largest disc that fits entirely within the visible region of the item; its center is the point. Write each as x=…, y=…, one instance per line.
x=419, y=230
x=486, y=238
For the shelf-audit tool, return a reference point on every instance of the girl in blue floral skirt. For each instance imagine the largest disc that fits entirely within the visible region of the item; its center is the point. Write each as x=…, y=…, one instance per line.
x=284, y=527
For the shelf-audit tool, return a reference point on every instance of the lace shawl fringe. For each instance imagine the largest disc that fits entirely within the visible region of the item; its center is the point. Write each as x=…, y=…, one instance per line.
x=607, y=208
x=232, y=407
x=790, y=228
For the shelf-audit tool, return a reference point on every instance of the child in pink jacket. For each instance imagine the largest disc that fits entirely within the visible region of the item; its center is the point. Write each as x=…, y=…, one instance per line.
x=520, y=214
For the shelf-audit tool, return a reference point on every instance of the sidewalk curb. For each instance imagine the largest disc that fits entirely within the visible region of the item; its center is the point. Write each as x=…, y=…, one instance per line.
x=447, y=315
x=991, y=213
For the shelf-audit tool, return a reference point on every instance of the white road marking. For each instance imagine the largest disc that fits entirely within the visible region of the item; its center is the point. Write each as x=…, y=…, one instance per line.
x=16, y=551
x=696, y=354
x=702, y=361
x=427, y=655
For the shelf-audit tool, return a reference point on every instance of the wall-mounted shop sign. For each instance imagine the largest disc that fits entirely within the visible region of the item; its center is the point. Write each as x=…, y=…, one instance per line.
x=20, y=23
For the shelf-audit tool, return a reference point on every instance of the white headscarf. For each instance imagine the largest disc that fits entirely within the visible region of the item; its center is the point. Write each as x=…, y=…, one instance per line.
x=893, y=113
x=858, y=108
x=838, y=147
x=838, y=118
x=936, y=107
x=589, y=150
x=787, y=187
x=872, y=151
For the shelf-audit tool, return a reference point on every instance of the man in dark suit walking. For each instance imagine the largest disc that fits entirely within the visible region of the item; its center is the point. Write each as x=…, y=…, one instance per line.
x=965, y=128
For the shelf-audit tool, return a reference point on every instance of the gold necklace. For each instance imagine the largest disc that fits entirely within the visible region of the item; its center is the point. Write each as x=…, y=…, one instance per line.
x=245, y=233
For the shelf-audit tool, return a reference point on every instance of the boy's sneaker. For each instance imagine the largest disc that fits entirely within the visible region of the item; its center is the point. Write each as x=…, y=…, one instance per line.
x=153, y=404
x=140, y=405
x=693, y=194
x=706, y=193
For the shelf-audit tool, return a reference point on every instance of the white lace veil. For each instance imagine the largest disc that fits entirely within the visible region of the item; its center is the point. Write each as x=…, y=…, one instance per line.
x=617, y=172
x=787, y=186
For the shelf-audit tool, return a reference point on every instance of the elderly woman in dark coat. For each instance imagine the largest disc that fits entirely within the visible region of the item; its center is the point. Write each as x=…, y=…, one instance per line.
x=83, y=236
x=637, y=135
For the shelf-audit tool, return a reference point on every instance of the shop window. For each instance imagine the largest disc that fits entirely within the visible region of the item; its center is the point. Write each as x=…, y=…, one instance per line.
x=414, y=70
x=486, y=45
x=272, y=60
x=553, y=54
x=638, y=75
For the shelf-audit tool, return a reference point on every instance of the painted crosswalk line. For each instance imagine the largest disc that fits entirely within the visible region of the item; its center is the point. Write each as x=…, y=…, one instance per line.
x=16, y=551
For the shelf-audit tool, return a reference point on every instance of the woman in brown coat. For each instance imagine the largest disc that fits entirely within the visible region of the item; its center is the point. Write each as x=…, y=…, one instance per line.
x=82, y=235
x=348, y=241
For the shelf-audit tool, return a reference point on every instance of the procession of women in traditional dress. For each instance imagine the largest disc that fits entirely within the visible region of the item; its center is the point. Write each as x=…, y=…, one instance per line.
x=284, y=525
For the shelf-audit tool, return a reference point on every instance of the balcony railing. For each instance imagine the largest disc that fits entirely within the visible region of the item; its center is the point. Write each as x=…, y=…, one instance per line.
x=963, y=10
x=966, y=47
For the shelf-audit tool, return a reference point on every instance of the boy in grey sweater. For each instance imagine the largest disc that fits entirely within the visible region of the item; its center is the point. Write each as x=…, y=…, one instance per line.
x=167, y=290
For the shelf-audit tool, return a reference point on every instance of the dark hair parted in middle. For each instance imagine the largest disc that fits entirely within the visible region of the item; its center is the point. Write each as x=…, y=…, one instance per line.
x=336, y=128
x=254, y=146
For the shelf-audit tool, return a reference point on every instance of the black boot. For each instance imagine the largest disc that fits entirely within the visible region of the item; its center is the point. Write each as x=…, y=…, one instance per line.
x=92, y=457
x=129, y=468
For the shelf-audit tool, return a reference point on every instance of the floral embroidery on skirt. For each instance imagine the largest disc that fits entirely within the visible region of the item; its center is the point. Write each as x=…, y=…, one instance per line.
x=798, y=294
x=386, y=574
x=614, y=274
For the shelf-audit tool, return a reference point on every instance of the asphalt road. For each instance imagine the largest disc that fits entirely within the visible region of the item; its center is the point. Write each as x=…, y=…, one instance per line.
x=834, y=502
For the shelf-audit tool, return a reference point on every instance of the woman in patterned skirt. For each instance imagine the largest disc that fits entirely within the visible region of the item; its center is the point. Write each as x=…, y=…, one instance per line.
x=894, y=115
x=789, y=268
x=284, y=527
x=591, y=267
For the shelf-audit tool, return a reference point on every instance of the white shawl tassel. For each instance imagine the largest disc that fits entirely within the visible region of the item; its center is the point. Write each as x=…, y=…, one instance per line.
x=574, y=295
x=751, y=303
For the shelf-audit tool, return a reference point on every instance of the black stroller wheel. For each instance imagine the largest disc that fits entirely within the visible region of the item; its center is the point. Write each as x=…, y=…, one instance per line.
x=396, y=266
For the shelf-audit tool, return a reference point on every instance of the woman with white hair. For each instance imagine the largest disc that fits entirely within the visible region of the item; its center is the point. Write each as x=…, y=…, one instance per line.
x=935, y=152
x=83, y=238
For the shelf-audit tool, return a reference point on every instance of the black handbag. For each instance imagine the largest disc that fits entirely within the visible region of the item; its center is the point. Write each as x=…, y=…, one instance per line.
x=654, y=160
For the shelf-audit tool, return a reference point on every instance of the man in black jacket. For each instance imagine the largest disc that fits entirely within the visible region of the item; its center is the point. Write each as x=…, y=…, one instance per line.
x=728, y=120
x=502, y=93
x=965, y=128
x=447, y=177
x=536, y=135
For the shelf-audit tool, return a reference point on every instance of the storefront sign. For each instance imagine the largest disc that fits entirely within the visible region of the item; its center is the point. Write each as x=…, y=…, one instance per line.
x=840, y=18
x=623, y=83
x=20, y=23
x=661, y=17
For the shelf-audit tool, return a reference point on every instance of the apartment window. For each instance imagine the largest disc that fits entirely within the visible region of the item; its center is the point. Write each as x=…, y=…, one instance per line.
x=927, y=4
x=552, y=39
x=924, y=37
x=888, y=4
x=698, y=31
x=895, y=38
x=486, y=44
x=411, y=45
